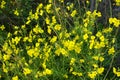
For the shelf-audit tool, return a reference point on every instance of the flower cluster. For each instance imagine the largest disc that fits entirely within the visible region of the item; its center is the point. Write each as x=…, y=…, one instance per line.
x=48, y=46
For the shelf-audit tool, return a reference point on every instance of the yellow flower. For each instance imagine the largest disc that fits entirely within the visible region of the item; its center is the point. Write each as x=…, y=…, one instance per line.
x=107, y=30
x=95, y=58
x=48, y=7
x=111, y=51
x=16, y=12
x=77, y=49
x=2, y=27
x=64, y=52
x=65, y=76
x=101, y=59
x=72, y=61
x=92, y=74
x=85, y=36
x=100, y=70
x=99, y=14
x=70, y=6
x=99, y=34
x=88, y=13
x=79, y=74
x=74, y=12
x=37, y=29
x=82, y=60
x=44, y=65
x=57, y=27
x=28, y=22
x=57, y=52
x=41, y=12
x=53, y=20
x=61, y=1
x=116, y=72
x=48, y=71
x=25, y=39
x=117, y=2
x=71, y=45
x=53, y=39
x=50, y=1
x=97, y=45
x=30, y=52
x=40, y=5
x=36, y=52
x=102, y=38
x=95, y=65
x=4, y=68
x=36, y=16
x=49, y=30
x=26, y=71
x=5, y=46
x=6, y=57
x=114, y=21
x=47, y=20
x=2, y=5
x=76, y=73
x=0, y=76
x=17, y=40
x=102, y=44
x=15, y=78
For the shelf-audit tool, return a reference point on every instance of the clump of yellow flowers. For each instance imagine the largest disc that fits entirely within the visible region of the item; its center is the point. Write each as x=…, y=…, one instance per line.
x=58, y=41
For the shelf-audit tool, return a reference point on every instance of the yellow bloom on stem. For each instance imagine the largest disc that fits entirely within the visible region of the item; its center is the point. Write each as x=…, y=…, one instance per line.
x=95, y=58
x=101, y=59
x=85, y=36
x=114, y=21
x=53, y=20
x=61, y=1
x=15, y=78
x=65, y=76
x=30, y=52
x=82, y=60
x=76, y=73
x=48, y=71
x=26, y=71
x=16, y=12
x=57, y=27
x=47, y=20
x=2, y=5
x=2, y=27
x=5, y=69
x=49, y=30
x=53, y=39
x=72, y=61
x=117, y=2
x=88, y=13
x=0, y=76
x=95, y=65
x=48, y=8
x=116, y=72
x=25, y=39
x=92, y=74
x=74, y=12
x=100, y=70
x=17, y=40
x=111, y=51
x=6, y=57
x=99, y=34
x=77, y=49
